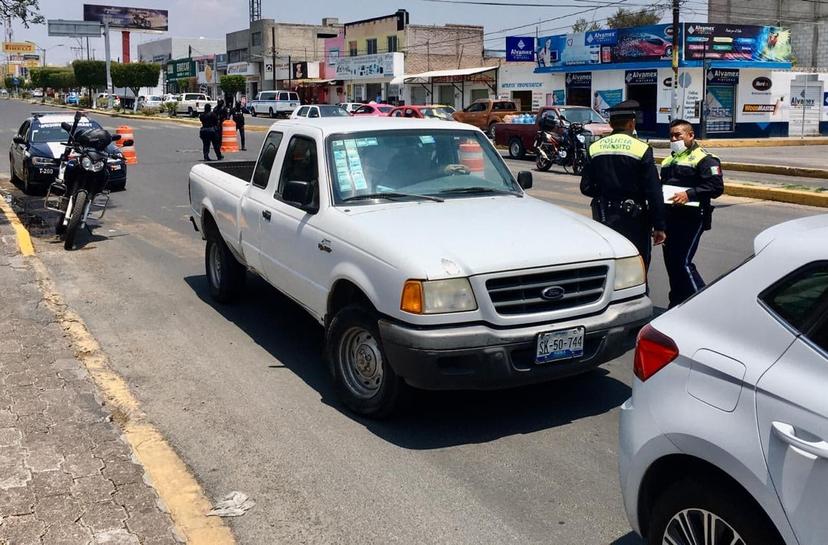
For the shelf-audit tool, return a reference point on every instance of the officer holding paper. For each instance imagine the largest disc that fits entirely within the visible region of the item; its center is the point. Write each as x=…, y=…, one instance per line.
x=692, y=177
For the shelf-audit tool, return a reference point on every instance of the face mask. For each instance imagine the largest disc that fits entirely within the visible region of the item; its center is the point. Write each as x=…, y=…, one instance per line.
x=635, y=132
x=677, y=146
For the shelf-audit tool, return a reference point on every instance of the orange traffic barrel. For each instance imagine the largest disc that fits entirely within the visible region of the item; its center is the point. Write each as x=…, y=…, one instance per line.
x=229, y=144
x=130, y=157
x=471, y=155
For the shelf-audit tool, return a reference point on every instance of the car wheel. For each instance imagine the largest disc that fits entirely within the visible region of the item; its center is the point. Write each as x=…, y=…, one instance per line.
x=225, y=275
x=190, y=111
x=14, y=179
x=270, y=112
x=253, y=112
x=696, y=510
x=516, y=149
x=491, y=130
x=26, y=187
x=364, y=379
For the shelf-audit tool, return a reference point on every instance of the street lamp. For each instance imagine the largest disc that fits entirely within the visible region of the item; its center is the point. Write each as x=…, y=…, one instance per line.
x=44, y=49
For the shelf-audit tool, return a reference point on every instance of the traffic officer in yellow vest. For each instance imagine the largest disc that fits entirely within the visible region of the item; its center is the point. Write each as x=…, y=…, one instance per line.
x=621, y=177
x=698, y=175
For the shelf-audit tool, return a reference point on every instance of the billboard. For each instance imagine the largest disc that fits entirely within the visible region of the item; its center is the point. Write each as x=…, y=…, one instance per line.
x=181, y=69
x=736, y=42
x=520, y=49
x=127, y=18
x=18, y=47
x=643, y=43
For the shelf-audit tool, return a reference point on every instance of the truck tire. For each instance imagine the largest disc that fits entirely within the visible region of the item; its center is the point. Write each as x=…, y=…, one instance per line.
x=190, y=111
x=363, y=378
x=490, y=132
x=270, y=112
x=225, y=275
x=516, y=149
x=690, y=503
x=253, y=112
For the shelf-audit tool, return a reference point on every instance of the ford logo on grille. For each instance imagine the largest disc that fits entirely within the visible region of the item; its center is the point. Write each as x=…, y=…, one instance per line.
x=553, y=293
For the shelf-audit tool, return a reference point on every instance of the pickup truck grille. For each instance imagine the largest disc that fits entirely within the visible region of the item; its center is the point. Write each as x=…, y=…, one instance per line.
x=523, y=294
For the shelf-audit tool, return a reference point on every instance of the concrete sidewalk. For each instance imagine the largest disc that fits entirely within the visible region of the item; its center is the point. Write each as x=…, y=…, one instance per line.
x=66, y=476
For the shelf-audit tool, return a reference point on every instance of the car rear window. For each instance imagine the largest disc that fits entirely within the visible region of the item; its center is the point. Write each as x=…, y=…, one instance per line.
x=801, y=297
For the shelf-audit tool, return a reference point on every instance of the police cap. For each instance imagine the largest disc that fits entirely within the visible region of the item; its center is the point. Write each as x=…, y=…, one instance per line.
x=628, y=109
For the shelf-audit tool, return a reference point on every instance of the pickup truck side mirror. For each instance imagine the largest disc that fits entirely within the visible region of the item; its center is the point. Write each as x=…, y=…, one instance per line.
x=300, y=194
x=19, y=140
x=525, y=179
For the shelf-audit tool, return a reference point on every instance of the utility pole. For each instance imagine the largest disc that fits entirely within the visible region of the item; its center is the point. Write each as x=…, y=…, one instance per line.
x=273, y=56
x=674, y=95
x=109, y=88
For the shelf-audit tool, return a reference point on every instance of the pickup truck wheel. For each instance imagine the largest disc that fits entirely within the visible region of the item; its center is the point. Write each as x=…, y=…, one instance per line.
x=270, y=112
x=490, y=132
x=253, y=112
x=516, y=149
x=364, y=380
x=225, y=275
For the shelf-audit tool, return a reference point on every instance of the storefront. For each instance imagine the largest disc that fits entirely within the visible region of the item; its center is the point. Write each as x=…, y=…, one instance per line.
x=456, y=88
x=250, y=71
x=369, y=77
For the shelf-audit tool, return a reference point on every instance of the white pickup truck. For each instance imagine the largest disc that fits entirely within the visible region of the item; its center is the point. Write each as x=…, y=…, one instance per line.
x=420, y=254
x=193, y=104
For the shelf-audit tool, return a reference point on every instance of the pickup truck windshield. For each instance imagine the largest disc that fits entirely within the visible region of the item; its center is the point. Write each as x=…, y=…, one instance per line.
x=582, y=115
x=416, y=163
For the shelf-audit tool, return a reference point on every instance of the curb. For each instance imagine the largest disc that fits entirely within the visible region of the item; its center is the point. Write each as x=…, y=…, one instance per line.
x=167, y=473
x=750, y=142
x=779, y=170
x=792, y=196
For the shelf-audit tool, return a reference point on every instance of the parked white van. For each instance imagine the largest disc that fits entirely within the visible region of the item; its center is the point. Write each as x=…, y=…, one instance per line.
x=274, y=103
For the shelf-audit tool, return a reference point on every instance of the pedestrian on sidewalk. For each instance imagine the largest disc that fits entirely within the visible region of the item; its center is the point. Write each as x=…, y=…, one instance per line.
x=621, y=177
x=238, y=119
x=208, y=131
x=698, y=175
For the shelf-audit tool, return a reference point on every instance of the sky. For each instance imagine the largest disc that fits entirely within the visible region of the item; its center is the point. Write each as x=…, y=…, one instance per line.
x=214, y=18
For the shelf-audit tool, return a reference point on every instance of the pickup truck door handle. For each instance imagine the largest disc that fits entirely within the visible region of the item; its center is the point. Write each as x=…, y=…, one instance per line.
x=266, y=214
x=786, y=433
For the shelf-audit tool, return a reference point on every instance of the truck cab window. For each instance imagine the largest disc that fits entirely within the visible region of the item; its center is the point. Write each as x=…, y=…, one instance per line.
x=300, y=162
x=261, y=174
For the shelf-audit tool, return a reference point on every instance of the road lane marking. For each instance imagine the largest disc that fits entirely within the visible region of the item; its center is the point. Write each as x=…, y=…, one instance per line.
x=24, y=241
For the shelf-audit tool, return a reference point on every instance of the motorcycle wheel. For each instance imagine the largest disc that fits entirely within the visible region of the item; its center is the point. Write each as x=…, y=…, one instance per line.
x=543, y=164
x=578, y=164
x=75, y=221
x=59, y=227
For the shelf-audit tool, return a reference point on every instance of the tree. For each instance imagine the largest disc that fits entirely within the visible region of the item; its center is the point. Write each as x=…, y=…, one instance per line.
x=232, y=85
x=47, y=76
x=8, y=82
x=582, y=25
x=90, y=74
x=63, y=80
x=135, y=75
x=625, y=18
x=25, y=11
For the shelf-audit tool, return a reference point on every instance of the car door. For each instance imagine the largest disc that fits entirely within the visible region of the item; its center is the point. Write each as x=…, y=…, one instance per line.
x=19, y=150
x=792, y=405
x=256, y=202
x=295, y=252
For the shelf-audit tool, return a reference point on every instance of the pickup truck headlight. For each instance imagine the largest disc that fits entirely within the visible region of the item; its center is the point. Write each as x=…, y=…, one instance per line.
x=437, y=296
x=629, y=272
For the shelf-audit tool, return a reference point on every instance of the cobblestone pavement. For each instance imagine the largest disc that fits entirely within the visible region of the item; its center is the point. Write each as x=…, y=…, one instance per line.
x=66, y=477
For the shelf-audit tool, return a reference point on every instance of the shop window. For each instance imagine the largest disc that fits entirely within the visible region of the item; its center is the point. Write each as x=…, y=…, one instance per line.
x=392, y=44
x=352, y=49
x=372, y=46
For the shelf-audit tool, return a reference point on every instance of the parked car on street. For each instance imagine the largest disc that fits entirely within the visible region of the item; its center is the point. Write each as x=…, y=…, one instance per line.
x=373, y=110
x=73, y=98
x=151, y=101
x=432, y=111
x=274, y=103
x=4, y=93
x=382, y=230
x=725, y=438
x=485, y=113
x=319, y=110
x=350, y=107
x=193, y=104
x=34, y=154
x=103, y=100
x=520, y=138
x=37, y=93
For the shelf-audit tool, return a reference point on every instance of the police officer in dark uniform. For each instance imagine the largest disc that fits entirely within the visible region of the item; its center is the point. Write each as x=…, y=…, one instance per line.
x=621, y=177
x=699, y=177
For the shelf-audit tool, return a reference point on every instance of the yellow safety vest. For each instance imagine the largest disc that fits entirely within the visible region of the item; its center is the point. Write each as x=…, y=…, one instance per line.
x=618, y=144
x=687, y=158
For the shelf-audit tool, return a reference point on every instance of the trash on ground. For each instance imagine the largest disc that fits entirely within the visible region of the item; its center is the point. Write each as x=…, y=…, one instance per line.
x=235, y=504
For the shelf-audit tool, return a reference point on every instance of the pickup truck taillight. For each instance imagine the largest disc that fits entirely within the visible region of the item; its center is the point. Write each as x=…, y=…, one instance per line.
x=653, y=351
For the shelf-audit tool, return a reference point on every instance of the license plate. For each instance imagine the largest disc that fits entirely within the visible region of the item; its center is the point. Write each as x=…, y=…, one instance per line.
x=564, y=344
x=46, y=171
x=114, y=167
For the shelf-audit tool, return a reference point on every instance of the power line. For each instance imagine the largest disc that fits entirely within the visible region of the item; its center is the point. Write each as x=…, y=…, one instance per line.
x=597, y=3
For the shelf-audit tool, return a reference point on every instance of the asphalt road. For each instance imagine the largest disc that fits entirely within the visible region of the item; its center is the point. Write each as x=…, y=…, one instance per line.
x=242, y=394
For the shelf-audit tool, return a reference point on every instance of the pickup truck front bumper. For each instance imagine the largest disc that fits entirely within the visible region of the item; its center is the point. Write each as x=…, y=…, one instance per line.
x=480, y=357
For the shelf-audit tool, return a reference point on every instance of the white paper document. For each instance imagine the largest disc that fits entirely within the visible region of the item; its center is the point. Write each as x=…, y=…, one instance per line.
x=670, y=190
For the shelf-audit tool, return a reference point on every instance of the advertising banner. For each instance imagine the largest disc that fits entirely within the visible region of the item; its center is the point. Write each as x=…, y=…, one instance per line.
x=720, y=109
x=722, y=76
x=549, y=50
x=180, y=69
x=241, y=69
x=558, y=97
x=643, y=43
x=386, y=65
x=579, y=80
x=127, y=18
x=606, y=99
x=221, y=61
x=641, y=77
x=18, y=47
x=737, y=42
x=520, y=49
x=602, y=37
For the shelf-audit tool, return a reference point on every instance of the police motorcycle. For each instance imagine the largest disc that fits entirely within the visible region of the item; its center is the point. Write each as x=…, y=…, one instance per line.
x=548, y=145
x=82, y=180
x=575, y=143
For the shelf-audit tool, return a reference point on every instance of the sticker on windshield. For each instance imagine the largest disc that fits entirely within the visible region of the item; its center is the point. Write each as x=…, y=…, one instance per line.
x=343, y=174
x=427, y=139
x=362, y=142
x=355, y=166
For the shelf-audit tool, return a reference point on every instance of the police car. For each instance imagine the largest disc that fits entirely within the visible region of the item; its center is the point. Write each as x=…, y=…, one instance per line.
x=34, y=155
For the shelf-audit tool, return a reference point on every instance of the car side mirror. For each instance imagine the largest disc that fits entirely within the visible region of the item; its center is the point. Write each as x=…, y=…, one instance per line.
x=525, y=179
x=19, y=140
x=300, y=194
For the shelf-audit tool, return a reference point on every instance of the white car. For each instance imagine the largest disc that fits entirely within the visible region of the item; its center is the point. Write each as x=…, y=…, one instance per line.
x=37, y=93
x=350, y=107
x=319, y=110
x=274, y=103
x=103, y=100
x=193, y=104
x=152, y=101
x=725, y=438
x=411, y=242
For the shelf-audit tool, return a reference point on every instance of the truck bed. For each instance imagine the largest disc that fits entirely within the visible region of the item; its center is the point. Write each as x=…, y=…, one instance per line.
x=240, y=169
